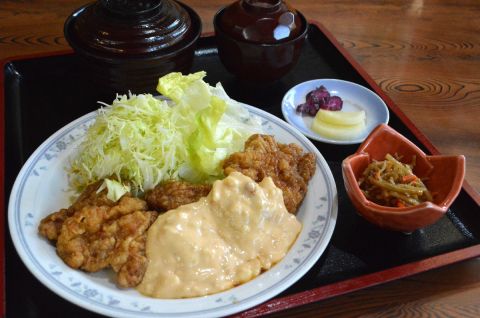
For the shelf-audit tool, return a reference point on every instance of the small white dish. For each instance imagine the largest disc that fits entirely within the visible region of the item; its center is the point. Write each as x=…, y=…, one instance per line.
x=355, y=98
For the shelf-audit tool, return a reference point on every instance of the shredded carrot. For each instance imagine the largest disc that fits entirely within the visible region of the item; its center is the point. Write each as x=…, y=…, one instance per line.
x=393, y=183
x=409, y=178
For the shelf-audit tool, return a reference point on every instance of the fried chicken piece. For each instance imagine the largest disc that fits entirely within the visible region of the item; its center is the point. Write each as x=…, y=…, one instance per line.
x=172, y=194
x=95, y=233
x=51, y=225
x=98, y=236
x=288, y=166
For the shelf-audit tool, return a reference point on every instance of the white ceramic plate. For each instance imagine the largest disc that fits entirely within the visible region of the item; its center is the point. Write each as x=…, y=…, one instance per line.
x=41, y=188
x=355, y=97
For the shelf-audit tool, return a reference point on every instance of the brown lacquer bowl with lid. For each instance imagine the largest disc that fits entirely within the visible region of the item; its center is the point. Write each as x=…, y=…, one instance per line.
x=259, y=40
x=127, y=45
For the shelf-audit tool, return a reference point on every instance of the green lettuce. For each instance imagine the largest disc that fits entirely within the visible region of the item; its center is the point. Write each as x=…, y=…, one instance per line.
x=144, y=139
x=115, y=189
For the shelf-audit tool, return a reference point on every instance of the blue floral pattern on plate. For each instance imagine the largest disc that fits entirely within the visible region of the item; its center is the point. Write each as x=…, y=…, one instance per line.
x=43, y=177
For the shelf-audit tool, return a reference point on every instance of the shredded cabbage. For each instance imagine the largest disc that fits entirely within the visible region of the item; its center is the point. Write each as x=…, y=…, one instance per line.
x=115, y=189
x=145, y=140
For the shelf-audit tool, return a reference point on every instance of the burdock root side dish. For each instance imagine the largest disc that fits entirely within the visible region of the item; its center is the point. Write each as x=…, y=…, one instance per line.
x=392, y=183
x=217, y=210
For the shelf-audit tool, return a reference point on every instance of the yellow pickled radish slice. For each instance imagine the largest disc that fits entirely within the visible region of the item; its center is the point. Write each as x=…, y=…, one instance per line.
x=337, y=132
x=344, y=118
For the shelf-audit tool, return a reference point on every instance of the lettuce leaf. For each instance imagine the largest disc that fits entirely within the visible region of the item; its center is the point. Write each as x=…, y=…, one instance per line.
x=145, y=140
x=207, y=145
x=115, y=189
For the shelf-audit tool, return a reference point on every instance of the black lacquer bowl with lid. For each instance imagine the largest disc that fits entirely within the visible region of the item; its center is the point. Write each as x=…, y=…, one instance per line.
x=259, y=40
x=126, y=45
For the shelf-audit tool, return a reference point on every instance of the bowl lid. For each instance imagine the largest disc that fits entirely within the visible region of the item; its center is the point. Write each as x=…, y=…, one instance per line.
x=128, y=27
x=261, y=21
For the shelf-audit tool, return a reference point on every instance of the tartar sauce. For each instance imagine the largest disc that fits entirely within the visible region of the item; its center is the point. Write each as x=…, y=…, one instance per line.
x=225, y=239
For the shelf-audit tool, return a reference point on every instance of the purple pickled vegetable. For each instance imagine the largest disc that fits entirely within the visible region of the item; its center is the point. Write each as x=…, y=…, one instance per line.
x=319, y=98
x=307, y=108
x=334, y=103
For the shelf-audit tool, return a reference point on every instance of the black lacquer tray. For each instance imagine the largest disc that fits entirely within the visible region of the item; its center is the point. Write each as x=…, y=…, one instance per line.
x=43, y=93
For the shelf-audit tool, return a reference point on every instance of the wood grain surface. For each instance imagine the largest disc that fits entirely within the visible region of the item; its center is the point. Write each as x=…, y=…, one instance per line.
x=425, y=54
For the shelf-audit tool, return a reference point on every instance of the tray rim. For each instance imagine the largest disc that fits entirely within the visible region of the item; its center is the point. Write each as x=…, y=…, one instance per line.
x=277, y=304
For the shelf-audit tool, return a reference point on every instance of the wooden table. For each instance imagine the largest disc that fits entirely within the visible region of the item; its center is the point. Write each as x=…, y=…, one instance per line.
x=424, y=54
